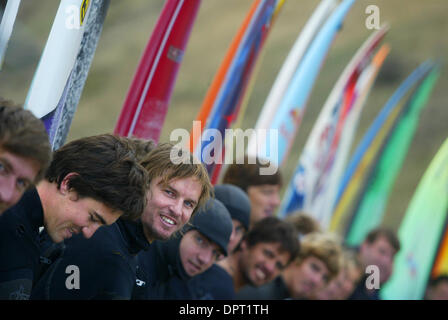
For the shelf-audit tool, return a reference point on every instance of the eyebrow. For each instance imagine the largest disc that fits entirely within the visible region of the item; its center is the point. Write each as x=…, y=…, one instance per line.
x=6, y=163
x=99, y=218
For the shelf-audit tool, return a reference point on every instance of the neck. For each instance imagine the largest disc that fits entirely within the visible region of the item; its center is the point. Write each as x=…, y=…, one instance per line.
x=288, y=278
x=231, y=266
x=47, y=193
x=147, y=233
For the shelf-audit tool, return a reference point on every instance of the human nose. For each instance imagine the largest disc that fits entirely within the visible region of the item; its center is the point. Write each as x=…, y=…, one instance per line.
x=176, y=207
x=270, y=267
x=89, y=230
x=205, y=256
x=275, y=200
x=8, y=192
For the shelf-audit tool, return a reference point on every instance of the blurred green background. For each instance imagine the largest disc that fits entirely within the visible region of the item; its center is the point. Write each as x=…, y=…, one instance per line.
x=418, y=31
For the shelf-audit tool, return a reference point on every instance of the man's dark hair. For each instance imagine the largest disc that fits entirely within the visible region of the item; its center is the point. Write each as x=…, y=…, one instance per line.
x=387, y=233
x=106, y=170
x=274, y=230
x=24, y=135
x=248, y=174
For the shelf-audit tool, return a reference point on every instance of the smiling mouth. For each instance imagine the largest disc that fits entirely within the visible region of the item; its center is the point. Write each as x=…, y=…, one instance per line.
x=195, y=267
x=168, y=220
x=260, y=274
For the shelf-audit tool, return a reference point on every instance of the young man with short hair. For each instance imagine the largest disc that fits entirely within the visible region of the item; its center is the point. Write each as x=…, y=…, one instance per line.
x=343, y=285
x=165, y=270
x=316, y=264
x=90, y=182
x=25, y=152
x=263, y=190
x=216, y=283
x=379, y=249
x=265, y=251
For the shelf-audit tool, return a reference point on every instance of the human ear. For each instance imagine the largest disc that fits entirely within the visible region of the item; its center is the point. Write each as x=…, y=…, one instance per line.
x=65, y=189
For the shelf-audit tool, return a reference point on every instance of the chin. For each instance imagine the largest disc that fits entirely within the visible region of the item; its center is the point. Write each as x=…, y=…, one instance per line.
x=56, y=238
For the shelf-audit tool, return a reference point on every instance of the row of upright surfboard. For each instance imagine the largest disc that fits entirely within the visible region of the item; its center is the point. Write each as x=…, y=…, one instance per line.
x=345, y=195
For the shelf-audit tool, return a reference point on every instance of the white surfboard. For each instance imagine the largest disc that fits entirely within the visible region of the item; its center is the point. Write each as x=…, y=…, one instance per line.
x=58, y=57
x=7, y=25
x=289, y=67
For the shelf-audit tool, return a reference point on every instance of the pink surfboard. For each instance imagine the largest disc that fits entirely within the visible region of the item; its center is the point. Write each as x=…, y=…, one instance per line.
x=147, y=101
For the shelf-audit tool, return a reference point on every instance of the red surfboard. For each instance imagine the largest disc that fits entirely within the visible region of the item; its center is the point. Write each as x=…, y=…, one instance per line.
x=147, y=101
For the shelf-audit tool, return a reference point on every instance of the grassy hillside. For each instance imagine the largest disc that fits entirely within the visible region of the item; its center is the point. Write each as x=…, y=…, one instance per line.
x=418, y=32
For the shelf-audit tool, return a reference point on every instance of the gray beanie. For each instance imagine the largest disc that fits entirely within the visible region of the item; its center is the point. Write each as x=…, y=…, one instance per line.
x=236, y=201
x=214, y=222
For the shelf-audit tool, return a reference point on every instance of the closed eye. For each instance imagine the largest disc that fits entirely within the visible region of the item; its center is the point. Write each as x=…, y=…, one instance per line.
x=96, y=218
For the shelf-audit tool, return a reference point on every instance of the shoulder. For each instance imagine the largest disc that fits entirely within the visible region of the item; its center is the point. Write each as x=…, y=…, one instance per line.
x=213, y=284
x=18, y=246
x=274, y=290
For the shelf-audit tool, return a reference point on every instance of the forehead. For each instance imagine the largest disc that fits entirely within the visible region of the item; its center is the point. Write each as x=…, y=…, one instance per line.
x=20, y=166
x=383, y=243
x=237, y=223
x=188, y=238
x=265, y=187
x=274, y=247
x=316, y=261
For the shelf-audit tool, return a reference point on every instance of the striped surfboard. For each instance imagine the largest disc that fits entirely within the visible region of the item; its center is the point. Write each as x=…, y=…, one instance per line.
x=318, y=157
x=369, y=147
x=226, y=106
x=370, y=207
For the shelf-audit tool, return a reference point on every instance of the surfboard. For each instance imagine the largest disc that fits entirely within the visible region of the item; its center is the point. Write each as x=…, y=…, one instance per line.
x=420, y=232
x=369, y=209
x=219, y=77
x=50, y=81
x=362, y=90
x=6, y=26
x=440, y=266
x=288, y=68
x=290, y=112
x=149, y=95
x=67, y=106
x=242, y=105
x=369, y=147
x=225, y=107
x=316, y=161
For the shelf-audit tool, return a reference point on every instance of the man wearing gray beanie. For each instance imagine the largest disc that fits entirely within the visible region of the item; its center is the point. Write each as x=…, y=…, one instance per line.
x=238, y=204
x=216, y=283
x=165, y=269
